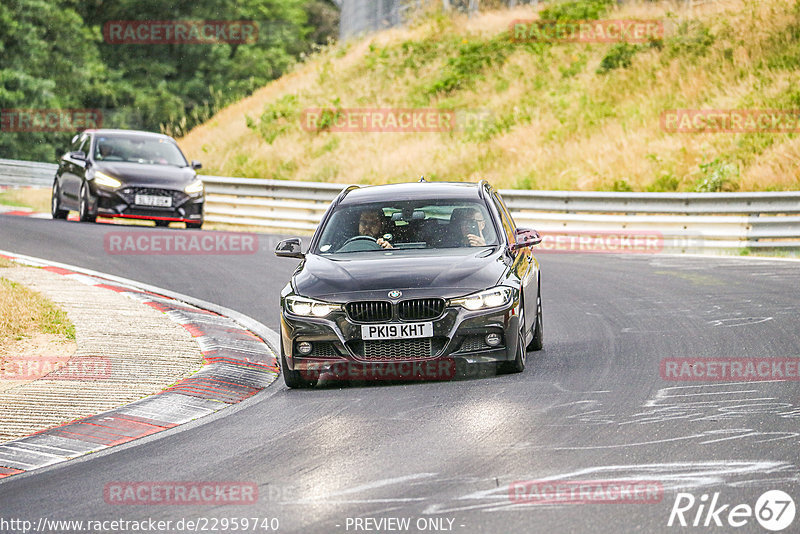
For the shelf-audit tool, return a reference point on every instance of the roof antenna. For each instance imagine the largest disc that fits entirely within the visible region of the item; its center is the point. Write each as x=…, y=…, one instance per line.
x=422, y=178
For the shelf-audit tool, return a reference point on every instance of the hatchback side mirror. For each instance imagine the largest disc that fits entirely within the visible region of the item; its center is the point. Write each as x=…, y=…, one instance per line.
x=79, y=155
x=196, y=164
x=290, y=248
x=526, y=237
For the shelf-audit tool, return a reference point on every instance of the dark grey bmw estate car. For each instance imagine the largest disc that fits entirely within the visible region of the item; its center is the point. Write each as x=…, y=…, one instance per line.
x=410, y=273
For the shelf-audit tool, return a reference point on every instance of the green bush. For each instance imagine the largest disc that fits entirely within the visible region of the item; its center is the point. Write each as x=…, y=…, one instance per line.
x=575, y=67
x=717, y=176
x=619, y=55
x=665, y=183
x=785, y=46
x=468, y=64
x=578, y=10
x=621, y=186
x=276, y=119
x=691, y=39
x=376, y=56
x=416, y=54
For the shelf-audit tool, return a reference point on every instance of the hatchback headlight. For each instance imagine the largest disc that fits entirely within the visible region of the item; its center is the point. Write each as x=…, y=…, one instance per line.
x=482, y=300
x=194, y=187
x=105, y=180
x=310, y=307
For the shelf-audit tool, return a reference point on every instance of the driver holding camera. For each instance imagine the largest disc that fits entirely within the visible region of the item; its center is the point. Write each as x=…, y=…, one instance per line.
x=370, y=224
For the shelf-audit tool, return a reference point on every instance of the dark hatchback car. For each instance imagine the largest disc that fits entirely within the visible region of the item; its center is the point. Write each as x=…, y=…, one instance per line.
x=129, y=174
x=410, y=273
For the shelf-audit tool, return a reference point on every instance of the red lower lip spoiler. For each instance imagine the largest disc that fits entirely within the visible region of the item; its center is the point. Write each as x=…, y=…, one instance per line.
x=171, y=219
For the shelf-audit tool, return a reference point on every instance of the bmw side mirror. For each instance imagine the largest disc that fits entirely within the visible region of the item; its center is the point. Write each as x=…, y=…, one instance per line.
x=526, y=237
x=289, y=248
x=79, y=155
x=196, y=164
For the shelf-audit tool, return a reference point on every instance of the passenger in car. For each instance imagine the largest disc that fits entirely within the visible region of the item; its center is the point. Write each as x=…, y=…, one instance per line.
x=466, y=228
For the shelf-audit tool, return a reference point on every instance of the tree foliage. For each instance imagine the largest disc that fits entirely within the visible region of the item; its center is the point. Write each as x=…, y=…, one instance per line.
x=53, y=56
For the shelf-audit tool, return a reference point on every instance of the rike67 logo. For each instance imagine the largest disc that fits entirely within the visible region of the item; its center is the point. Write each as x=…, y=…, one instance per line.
x=774, y=510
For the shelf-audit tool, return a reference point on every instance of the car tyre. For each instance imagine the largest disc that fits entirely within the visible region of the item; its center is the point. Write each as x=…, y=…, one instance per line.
x=518, y=364
x=162, y=224
x=194, y=226
x=293, y=379
x=83, y=206
x=55, y=203
x=538, y=337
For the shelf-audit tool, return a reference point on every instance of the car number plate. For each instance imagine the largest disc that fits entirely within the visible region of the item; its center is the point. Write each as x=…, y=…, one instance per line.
x=153, y=200
x=396, y=331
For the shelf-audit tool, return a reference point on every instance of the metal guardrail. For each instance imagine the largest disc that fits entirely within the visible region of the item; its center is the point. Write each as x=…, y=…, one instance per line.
x=26, y=173
x=684, y=221
x=276, y=204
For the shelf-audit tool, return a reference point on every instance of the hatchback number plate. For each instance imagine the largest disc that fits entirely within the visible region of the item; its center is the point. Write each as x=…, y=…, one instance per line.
x=396, y=330
x=153, y=200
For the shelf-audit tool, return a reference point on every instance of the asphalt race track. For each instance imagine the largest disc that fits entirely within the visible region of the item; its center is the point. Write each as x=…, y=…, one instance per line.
x=591, y=406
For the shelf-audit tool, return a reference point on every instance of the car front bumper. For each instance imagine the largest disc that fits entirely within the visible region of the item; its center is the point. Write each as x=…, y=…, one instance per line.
x=458, y=334
x=120, y=203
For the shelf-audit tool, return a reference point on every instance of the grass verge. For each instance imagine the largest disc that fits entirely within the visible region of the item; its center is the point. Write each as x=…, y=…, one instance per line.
x=24, y=313
x=36, y=198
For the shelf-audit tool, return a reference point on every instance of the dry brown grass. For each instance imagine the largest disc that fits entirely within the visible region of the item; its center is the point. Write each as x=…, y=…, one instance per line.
x=25, y=313
x=582, y=131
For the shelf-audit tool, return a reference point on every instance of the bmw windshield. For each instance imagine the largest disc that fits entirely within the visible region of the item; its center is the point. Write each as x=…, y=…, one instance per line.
x=417, y=224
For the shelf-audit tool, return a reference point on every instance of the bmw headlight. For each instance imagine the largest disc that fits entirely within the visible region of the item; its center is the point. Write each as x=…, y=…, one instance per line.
x=310, y=307
x=104, y=180
x=194, y=187
x=495, y=297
